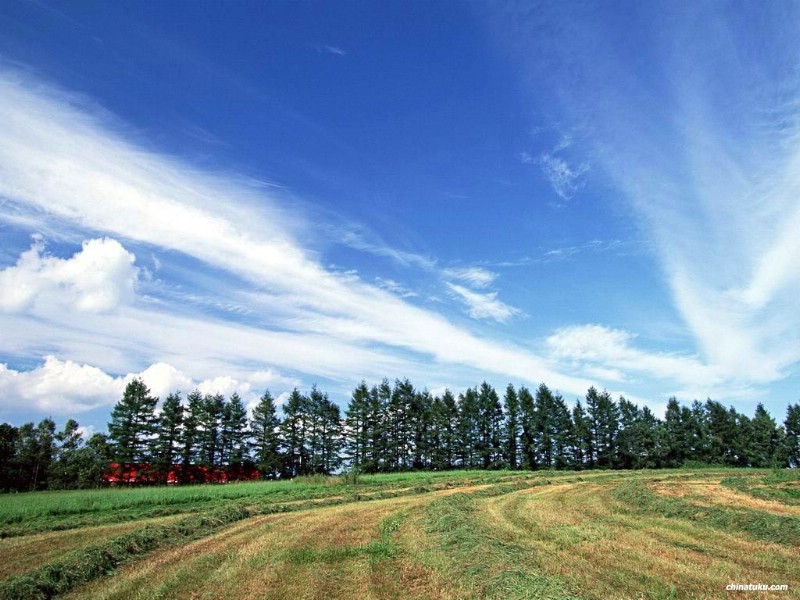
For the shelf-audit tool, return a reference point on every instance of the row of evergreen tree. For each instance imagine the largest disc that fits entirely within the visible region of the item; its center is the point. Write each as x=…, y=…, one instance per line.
x=395, y=427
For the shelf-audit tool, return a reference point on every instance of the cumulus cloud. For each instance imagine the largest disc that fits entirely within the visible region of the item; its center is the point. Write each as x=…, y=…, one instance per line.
x=163, y=379
x=59, y=387
x=98, y=278
x=67, y=388
x=482, y=305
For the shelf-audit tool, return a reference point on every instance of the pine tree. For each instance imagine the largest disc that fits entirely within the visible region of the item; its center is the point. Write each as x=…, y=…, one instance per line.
x=378, y=426
x=400, y=435
x=293, y=433
x=167, y=444
x=629, y=450
x=528, y=417
x=791, y=442
x=603, y=426
x=468, y=429
x=764, y=439
x=264, y=427
x=330, y=436
x=544, y=427
x=210, y=426
x=512, y=426
x=235, y=434
x=133, y=424
x=583, y=437
x=420, y=417
x=191, y=435
x=563, y=434
x=490, y=427
x=357, y=428
x=678, y=434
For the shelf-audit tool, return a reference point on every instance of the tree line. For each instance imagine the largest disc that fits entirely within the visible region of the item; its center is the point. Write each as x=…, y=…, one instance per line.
x=394, y=427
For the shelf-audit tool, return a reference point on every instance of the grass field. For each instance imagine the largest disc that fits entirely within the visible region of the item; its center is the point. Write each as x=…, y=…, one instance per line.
x=603, y=534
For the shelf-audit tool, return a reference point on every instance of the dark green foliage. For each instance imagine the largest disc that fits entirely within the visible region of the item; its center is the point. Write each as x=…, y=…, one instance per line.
x=764, y=439
x=133, y=423
x=468, y=412
x=33, y=455
x=790, y=447
x=358, y=432
x=603, y=426
x=8, y=442
x=191, y=433
x=582, y=437
x=293, y=433
x=210, y=422
x=264, y=430
x=490, y=436
x=167, y=444
x=234, y=447
x=529, y=424
x=64, y=470
x=444, y=433
x=394, y=428
x=512, y=426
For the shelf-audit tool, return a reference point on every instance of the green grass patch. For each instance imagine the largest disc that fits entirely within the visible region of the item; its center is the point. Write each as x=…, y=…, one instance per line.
x=487, y=565
x=757, y=524
x=781, y=485
x=87, y=564
x=383, y=548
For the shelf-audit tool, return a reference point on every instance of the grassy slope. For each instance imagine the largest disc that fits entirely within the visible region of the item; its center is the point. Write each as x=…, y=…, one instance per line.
x=659, y=534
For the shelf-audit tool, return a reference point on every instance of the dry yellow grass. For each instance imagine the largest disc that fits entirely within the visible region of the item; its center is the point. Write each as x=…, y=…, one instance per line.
x=573, y=531
x=582, y=534
x=282, y=556
x=712, y=493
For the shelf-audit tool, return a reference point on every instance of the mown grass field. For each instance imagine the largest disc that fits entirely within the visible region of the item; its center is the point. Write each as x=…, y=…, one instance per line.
x=651, y=534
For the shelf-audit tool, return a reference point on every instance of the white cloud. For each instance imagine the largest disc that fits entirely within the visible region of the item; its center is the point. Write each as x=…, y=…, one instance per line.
x=475, y=276
x=609, y=354
x=63, y=165
x=331, y=50
x=703, y=142
x=66, y=388
x=484, y=305
x=356, y=241
x=163, y=379
x=564, y=178
x=393, y=286
x=98, y=278
x=59, y=387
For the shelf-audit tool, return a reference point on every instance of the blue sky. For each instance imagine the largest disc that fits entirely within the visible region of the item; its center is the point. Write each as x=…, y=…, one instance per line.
x=269, y=195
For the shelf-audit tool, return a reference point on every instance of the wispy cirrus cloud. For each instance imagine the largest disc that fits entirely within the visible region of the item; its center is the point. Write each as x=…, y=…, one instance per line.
x=563, y=176
x=328, y=49
x=478, y=277
x=483, y=305
x=60, y=162
x=702, y=140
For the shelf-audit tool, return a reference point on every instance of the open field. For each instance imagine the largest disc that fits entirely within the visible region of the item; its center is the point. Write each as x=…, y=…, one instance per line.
x=601, y=534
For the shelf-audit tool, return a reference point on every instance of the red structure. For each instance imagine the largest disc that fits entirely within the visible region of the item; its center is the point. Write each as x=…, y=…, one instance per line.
x=145, y=474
